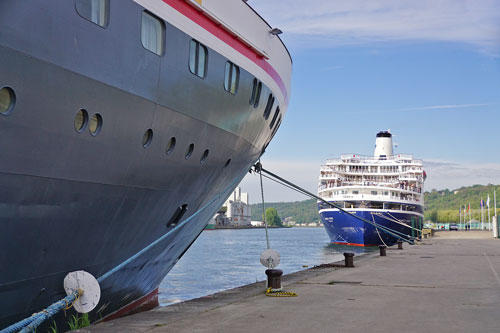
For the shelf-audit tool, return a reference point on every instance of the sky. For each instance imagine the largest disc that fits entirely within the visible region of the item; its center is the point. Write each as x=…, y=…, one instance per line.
x=427, y=70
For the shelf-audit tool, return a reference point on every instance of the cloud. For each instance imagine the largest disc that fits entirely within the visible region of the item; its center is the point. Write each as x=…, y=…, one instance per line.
x=441, y=107
x=304, y=174
x=441, y=174
x=332, y=68
x=449, y=107
x=452, y=175
x=335, y=22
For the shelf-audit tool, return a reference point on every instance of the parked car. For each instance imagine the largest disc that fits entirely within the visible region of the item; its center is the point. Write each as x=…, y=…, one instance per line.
x=453, y=226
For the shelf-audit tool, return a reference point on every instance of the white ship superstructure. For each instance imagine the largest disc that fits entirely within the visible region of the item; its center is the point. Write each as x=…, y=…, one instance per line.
x=386, y=189
x=393, y=182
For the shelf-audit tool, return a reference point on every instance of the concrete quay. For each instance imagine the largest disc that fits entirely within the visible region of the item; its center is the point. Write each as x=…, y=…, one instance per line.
x=447, y=283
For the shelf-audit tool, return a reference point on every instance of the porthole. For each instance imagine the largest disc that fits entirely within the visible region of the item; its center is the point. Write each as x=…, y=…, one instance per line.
x=227, y=163
x=204, y=157
x=7, y=100
x=81, y=120
x=95, y=124
x=147, y=138
x=171, y=145
x=189, y=151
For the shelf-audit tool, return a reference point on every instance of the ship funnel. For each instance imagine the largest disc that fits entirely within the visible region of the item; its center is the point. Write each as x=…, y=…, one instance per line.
x=383, y=145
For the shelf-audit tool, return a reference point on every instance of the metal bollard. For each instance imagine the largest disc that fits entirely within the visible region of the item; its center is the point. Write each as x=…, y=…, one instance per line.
x=274, y=279
x=400, y=244
x=382, y=250
x=349, y=259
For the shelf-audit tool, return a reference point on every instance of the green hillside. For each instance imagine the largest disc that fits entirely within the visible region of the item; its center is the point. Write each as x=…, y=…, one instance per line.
x=447, y=202
x=301, y=211
x=441, y=206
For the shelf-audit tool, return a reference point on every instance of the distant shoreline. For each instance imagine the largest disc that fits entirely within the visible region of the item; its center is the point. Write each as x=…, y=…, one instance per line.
x=258, y=227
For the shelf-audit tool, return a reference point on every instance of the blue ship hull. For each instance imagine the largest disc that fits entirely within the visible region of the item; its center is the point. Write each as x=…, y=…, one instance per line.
x=348, y=230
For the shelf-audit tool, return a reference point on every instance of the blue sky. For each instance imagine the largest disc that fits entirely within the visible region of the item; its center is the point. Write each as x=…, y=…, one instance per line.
x=427, y=70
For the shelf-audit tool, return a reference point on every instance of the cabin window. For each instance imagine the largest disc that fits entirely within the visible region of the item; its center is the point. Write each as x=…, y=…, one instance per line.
x=355, y=192
x=96, y=11
x=374, y=192
x=269, y=106
x=198, y=59
x=170, y=145
x=278, y=123
x=153, y=33
x=276, y=113
x=386, y=193
x=7, y=100
x=204, y=156
x=256, y=90
x=95, y=124
x=231, y=77
x=81, y=120
x=147, y=138
x=189, y=151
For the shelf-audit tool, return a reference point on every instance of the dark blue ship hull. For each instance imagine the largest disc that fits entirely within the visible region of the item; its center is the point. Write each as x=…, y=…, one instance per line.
x=107, y=203
x=349, y=230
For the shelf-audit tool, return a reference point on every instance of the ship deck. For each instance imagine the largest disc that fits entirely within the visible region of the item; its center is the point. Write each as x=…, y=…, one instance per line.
x=449, y=283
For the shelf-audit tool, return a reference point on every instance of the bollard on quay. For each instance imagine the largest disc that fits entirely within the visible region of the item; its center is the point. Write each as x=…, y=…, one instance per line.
x=382, y=250
x=349, y=259
x=400, y=244
x=274, y=279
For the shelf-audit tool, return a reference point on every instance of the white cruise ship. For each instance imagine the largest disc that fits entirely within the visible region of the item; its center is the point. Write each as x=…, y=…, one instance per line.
x=386, y=189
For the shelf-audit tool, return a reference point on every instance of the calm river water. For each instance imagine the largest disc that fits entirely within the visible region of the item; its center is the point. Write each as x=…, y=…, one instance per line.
x=225, y=259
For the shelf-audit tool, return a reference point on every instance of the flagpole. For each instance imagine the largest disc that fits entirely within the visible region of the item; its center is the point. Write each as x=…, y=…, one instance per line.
x=470, y=215
x=460, y=217
x=489, y=218
x=482, y=214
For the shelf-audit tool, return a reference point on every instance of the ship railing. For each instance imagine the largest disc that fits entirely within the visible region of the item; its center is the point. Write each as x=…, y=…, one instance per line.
x=381, y=185
x=355, y=158
x=365, y=197
x=327, y=171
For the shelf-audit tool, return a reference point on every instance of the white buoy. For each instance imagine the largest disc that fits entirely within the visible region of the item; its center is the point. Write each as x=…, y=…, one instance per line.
x=91, y=290
x=270, y=258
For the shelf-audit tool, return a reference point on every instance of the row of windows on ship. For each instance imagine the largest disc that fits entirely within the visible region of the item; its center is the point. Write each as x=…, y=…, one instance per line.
x=153, y=39
x=378, y=179
x=371, y=169
x=404, y=196
x=375, y=205
x=403, y=185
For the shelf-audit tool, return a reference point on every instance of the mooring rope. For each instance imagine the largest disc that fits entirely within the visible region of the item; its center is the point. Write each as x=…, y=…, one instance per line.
x=263, y=206
x=138, y=254
x=30, y=324
x=396, y=234
x=271, y=293
x=378, y=233
x=395, y=220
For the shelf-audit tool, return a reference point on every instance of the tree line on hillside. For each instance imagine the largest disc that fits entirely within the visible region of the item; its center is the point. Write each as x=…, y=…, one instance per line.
x=300, y=211
x=445, y=205
x=440, y=206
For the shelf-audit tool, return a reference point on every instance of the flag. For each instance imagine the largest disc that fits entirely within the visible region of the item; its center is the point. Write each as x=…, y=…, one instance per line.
x=481, y=203
x=488, y=201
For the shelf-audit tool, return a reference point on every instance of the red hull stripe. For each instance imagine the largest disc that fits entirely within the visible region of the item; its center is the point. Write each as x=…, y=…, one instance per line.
x=218, y=31
x=354, y=244
x=149, y=302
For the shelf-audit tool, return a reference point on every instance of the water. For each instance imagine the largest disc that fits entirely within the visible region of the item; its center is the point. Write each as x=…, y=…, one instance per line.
x=225, y=259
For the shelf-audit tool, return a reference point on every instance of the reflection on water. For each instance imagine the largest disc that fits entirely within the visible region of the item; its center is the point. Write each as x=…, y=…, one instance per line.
x=225, y=259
